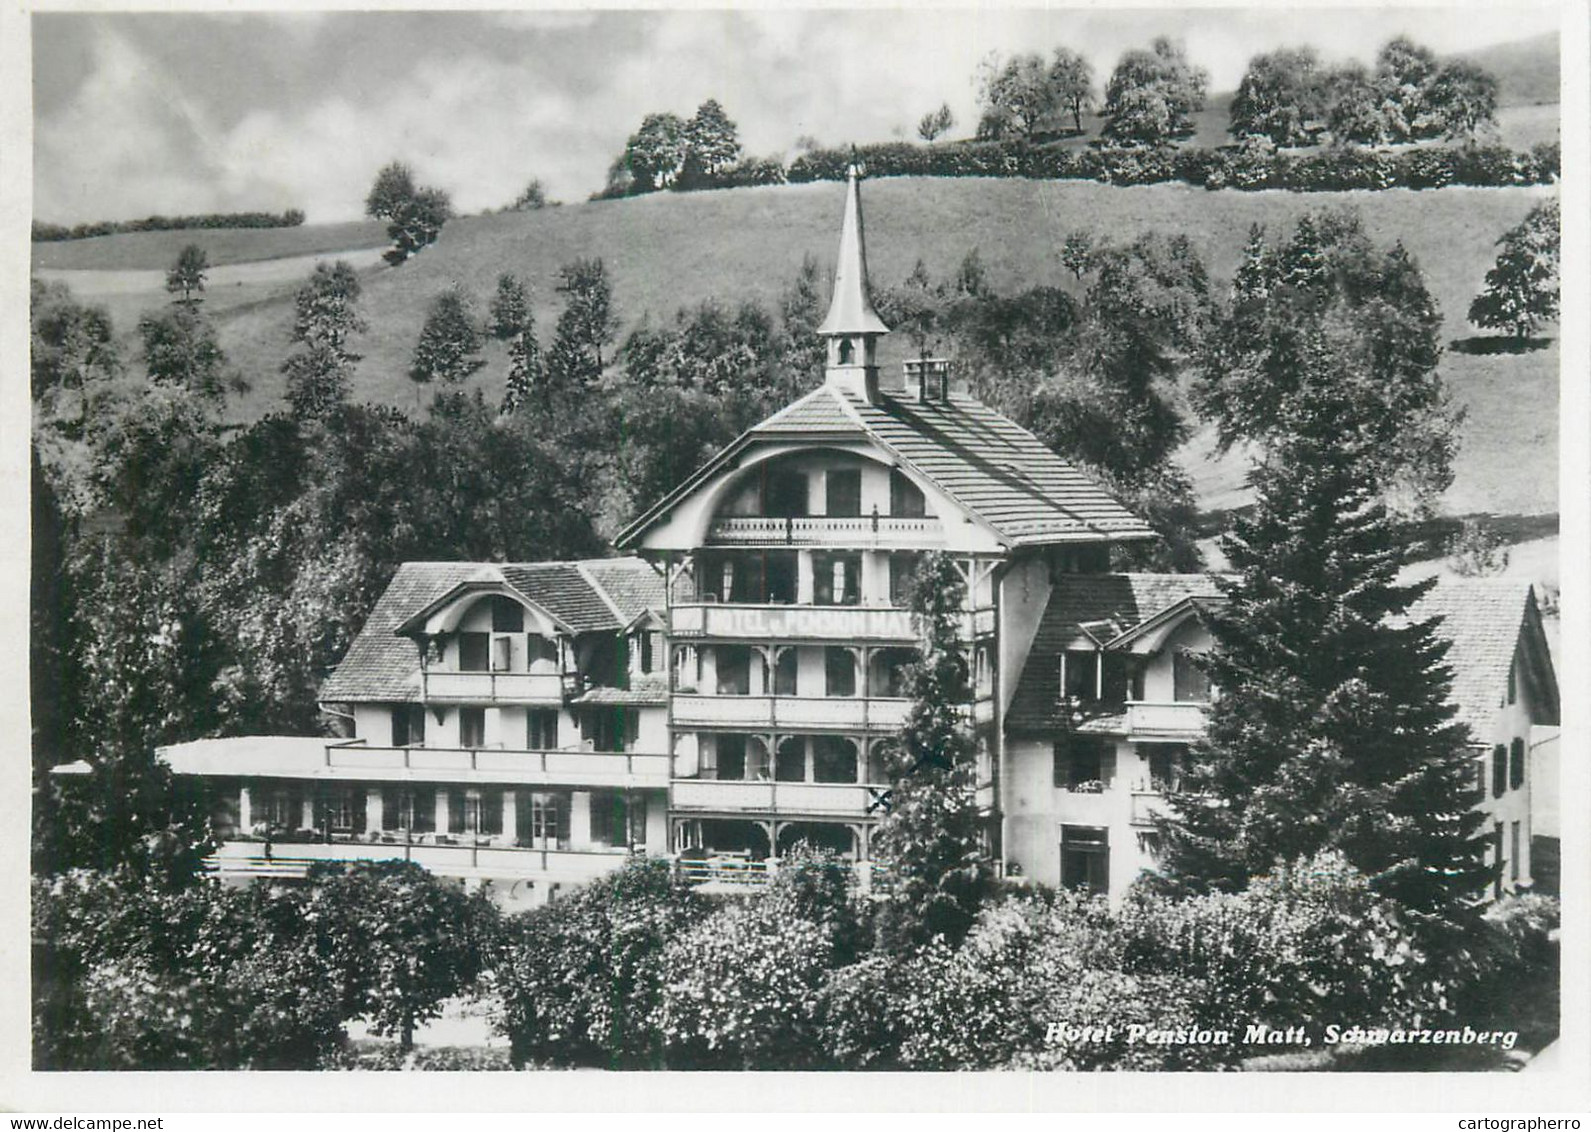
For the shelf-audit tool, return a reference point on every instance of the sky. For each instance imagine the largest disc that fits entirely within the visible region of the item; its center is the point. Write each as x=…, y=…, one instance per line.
x=197, y=112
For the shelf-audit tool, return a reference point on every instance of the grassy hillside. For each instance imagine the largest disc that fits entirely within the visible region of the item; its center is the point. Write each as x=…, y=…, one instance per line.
x=666, y=251
x=157, y=251
x=1527, y=71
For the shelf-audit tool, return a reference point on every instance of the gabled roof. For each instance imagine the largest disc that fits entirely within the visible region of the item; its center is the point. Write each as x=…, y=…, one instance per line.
x=1486, y=619
x=1003, y=475
x=600, y=595
x=1081, y=599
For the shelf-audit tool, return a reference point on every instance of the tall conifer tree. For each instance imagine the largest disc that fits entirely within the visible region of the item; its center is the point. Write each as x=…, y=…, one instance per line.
x=1334, y=727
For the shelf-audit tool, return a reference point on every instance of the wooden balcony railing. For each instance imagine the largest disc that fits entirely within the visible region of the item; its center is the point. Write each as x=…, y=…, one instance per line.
x=844, y=799
x=864, y=531
x=500, y=765
x=1168, y=720
x=772, y=622
x=247, y=858
x=547, y=688
x=790, y=711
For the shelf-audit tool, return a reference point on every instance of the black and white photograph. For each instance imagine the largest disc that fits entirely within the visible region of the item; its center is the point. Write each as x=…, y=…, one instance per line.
x=706, y=545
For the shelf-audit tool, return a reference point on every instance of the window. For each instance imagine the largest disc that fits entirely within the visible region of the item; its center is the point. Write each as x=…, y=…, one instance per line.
x=1189, y=682
x=611, y=820
x=411, y=810
x=644, y=652
x=508, y=616
x=780, y=570
x=843, y=492
x=1166, y=763
x=1115, y=677
x=902, y=567
x=791, y=763
x=1480, y=779
x=1083, y=765
x=836, y=579
x=905, y=498
x=1085, y=858
x=785, y=494
x=283, y=808
x=542, y=820
x=891, y=671
x=731, y=757
x=475, y=811
x=408, y=725
x=472, y=727
x=341, y=810
x=609, y=729
x=541, y=729
x=1499, y=770
x=1079, y=675
x=833, y=759
x=474, y=651
x=542, y=653
x=734, y=670
x=785, y=671
x=1497, y=859
x=839, y=671
x=1516, y=763
x=1513, y=851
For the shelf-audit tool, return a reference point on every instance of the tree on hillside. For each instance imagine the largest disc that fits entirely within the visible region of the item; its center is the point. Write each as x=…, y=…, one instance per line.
x=584, y=329
x=1328, y=282
x=915, y=309
x=449, y=349
x=1280, y=95
x=801, y=312
x=1404, y=73
x=931, y=840
x=414, y=214
x=1023, y=96
x=712, y=143
x=510, y=307
x=1463, y=98
x=533, y=197
x=655, y=153
x=1071, y=81
x=1522, y=286
x=1152, y=95
x=325, y=317
x=1355, y=112
x=935, y=123
x=186, y=277
x=1347, y=744
x=72, y=348
x=180, y=348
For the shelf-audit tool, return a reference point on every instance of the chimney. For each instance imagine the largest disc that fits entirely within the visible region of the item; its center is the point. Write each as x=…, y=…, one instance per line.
x=930, y=377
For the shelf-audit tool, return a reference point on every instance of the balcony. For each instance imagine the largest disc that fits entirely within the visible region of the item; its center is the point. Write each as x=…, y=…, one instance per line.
x=547, y=688
x=742, y=712
x=862, y=531
x=1176, y=722
x=851, y=623
x=245, y=859
x=496, y=765
x=844, y=799
x=1146, y=806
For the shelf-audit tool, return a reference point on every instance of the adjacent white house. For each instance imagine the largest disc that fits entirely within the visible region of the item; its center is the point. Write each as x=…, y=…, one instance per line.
x=722, y=693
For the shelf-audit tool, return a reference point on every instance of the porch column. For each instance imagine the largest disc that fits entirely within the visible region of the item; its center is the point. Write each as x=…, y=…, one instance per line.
x=510, y=816
x=307, y=812
x=441, y=809
x=375, y=816
x=804, y=585
x=245, y=809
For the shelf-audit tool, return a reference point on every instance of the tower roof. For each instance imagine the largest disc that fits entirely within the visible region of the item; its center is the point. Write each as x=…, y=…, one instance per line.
x=851, y=310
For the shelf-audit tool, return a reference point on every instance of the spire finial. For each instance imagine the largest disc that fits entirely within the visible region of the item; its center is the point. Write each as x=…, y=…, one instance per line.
x=851, y=310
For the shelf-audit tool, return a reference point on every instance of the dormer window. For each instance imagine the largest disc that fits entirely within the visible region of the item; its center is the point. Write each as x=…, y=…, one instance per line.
x=1190, y=683
x=843, y=494
x=508, y=616
x=905, y=498
x=475, y=652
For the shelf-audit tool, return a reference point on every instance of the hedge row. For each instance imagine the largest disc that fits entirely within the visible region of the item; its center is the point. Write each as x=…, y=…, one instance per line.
x=44, y=233
x=1246, y=167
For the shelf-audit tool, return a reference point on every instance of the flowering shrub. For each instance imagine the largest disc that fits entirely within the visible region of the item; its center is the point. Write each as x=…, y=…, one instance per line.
x=1309, y=943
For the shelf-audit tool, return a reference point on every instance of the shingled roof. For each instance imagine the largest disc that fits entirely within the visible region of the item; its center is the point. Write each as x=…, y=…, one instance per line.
x=1486, y=619
x=1084, y=599
x=1002, y=474
x=599, y=595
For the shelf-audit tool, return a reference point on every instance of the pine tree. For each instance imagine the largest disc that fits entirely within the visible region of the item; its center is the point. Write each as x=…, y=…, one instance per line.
x=319, y=376
x=510, y=309
x=524, y=368
x=931, y=840
x=586, y=326
x=449, y=349
x=1334, y=727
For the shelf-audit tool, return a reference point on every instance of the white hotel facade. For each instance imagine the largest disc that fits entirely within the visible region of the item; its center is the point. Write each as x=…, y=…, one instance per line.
x=722, y=691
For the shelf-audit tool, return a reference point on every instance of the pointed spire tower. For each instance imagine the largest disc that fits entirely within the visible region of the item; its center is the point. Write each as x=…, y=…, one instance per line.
x=852, y=327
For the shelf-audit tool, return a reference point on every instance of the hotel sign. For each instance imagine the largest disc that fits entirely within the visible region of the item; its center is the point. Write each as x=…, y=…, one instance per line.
x=787, y=622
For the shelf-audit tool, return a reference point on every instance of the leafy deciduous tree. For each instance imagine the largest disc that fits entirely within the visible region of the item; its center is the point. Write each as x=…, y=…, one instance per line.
x=1152, y=95
x=414, y=214
x=1522, y=286
x=186, y=277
